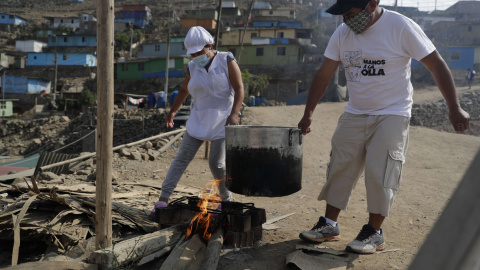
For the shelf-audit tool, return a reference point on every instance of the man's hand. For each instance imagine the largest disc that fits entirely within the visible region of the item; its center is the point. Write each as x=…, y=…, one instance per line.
x=460, y=120
x=169, y=119
x=304, y=125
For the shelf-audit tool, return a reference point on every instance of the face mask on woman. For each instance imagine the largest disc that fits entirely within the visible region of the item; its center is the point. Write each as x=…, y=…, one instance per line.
x=359, y=21
x=201, y=60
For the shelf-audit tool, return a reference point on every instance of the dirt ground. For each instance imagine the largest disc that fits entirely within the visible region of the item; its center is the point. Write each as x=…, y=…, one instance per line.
x=436, y=162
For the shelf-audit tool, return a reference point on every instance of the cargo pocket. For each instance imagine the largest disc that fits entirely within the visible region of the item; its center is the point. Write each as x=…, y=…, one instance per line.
x=329, y=165
x=393, y=172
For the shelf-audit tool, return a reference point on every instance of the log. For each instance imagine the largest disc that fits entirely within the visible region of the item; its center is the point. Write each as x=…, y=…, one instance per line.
x=113, y=149
x=136, y=248
x=214, y=247
x=48, y=265
x=187, y=256
x=165, y=147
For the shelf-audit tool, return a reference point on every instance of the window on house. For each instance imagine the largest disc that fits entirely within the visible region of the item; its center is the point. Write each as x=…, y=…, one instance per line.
x=259, y=51
x=65, y=57
x=85, y=27
x=469, y=28
x=61, y=20
x=291, y=12
x=141, y=66
x=84, y=39
x=270, y=12
x=157, y=47
x=280, y=35
x=455, y=56
x=3, y=105
x=3, y=17
x=65, y=39
x=253, y=35
x=35, y=58
x=73, y=21
x=233, y=51
x=281, y=50
x=124, y=67
x=10, y=16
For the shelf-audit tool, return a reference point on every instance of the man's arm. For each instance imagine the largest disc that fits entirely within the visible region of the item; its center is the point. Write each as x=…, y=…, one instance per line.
x=444, y=80
x=235, y=77
x=181, y=97
x=317, y=89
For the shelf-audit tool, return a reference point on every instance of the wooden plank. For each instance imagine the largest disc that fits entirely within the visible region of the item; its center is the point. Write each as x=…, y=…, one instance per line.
x=49, y=265
x=16, y=229
x=166, y=146
x=454, y=241
x=136, y=248
x=212, y=254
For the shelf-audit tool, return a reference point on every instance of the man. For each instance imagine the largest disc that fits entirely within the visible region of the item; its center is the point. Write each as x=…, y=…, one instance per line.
x=375, y=46
x=469, y=76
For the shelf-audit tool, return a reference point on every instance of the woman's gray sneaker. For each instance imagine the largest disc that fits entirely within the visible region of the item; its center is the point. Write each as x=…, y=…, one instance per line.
x=321, y=232
x=368, y=241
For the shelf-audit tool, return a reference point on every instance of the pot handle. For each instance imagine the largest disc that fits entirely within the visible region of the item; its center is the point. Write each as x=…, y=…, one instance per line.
x=290, y=133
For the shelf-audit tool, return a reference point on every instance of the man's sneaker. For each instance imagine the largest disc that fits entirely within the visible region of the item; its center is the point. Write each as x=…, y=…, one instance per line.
x=322, y=231
x=368, y=241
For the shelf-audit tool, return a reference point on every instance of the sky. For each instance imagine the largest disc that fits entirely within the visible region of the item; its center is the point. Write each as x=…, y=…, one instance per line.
x=423, y=5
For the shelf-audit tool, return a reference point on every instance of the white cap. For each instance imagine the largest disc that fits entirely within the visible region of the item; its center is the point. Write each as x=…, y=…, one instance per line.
x=197, y=37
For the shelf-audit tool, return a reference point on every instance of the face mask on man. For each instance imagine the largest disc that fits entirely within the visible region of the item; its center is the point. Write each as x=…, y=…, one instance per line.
x=201, y=60
x=359, y=21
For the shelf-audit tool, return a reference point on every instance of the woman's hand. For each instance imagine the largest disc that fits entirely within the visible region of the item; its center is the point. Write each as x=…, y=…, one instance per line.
x=232, y=120
x=169, y=119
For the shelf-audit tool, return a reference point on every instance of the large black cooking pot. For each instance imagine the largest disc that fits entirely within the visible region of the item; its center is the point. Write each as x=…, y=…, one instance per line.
x=263, y=161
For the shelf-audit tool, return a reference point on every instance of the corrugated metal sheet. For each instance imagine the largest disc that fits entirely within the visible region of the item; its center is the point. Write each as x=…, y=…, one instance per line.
x=48, y=158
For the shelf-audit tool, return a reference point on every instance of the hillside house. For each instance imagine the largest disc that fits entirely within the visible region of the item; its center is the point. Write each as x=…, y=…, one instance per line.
x=234, y=37
x=187, y=23
x=6, y=107
x=201, y=14
x=159, y=49
x=260, y=5
x=73, y=41
x=29, y=46
x=455, y=33
x=150, y=68
x=63, y=59
x=68, y=22
x=278, y=13
x=281, y=24
x=141, y=14
x=24, y=85
x=284, y=52
x=229, y=9
x=77, y=1
x=464, y=10
x=4, y=60
x=11, y=19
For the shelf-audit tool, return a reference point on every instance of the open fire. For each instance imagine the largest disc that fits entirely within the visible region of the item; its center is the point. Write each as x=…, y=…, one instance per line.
x=241, y=222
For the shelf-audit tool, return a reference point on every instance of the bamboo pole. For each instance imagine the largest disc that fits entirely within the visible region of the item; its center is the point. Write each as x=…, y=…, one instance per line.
x=103, y=206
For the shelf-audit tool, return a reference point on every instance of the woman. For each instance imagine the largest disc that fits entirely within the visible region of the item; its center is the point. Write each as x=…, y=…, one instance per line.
x=214, y=80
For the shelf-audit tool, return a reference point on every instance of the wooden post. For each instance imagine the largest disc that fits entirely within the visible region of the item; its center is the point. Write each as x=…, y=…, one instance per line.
x=103, y=216
x=217, y=34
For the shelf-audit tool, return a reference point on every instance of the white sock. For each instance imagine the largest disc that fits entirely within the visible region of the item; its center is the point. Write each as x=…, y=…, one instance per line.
x=331, y=222
x=379, y=231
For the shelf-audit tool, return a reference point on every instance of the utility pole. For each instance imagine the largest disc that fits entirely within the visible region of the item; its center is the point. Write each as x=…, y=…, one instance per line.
x=217, y=35
x=168, y=55
x=131, y=38
x=245, y=30
x=103, y=203
x=56, y=68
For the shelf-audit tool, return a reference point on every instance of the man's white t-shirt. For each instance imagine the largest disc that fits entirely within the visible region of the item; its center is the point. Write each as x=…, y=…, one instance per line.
x=377, y=63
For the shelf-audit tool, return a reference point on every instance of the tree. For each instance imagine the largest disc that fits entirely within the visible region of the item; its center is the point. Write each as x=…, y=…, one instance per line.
x=87, y=98
x=254, y=84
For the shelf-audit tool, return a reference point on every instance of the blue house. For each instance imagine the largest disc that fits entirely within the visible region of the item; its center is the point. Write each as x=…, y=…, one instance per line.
x=24, y=85
x=286, y=24
x=73, y=41
x=63, y=59
x=11, y=19
x=160, y=49
x=77, y=1
x=455, y=57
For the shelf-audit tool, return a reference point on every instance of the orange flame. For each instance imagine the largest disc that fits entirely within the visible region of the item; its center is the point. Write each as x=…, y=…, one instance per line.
x=209, y=199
